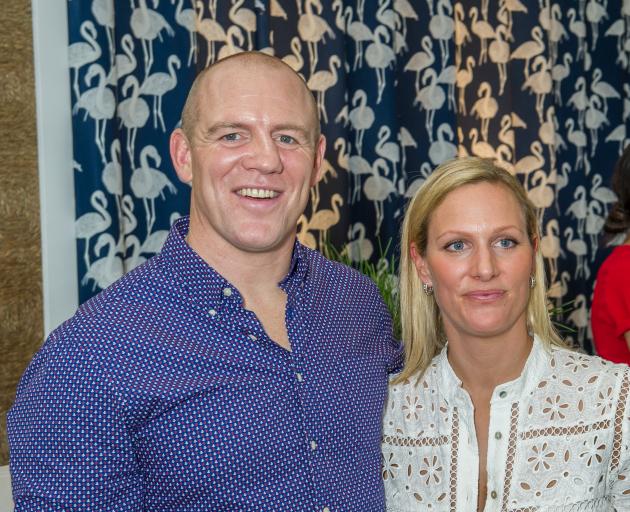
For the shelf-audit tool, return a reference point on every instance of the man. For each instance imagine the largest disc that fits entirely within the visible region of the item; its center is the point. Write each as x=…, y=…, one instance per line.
x=236, y=370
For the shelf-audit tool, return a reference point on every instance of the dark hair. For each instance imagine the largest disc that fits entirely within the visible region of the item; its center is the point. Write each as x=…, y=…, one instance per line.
x=618, y=220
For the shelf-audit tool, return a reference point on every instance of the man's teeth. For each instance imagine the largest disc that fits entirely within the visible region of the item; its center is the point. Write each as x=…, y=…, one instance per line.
x=258, y=193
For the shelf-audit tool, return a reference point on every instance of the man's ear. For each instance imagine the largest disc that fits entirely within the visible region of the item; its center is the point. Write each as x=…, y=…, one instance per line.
x=420, y=263
x=180, y=155
x=318, y=168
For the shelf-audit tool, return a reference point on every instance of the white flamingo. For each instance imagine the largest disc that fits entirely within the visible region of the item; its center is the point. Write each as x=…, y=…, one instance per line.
x=103, y=12
x=483, y=30
x=603, y=194
x=595, y=13
x=148, y=183
x=124, y=63
x=421, y=60
x=147, y=25
x=499, y=53
x=323, y=80
x=187, y=19
x=579, y=248
x=210, y=30
x=541, y=194
x=82, y=53
x=485, y=108
x=323, y=220
x=92, y=223
x=579, y=99
x=442, y=27
x=245, y=18
x=603, y=89
x=443, y=149
x=379, y=56
x=378, y=188
x=157, y=85
x=405, y=10
x=530, y=163
x=539, y=83
x=579, y=208
x=233, y=36
x=358, y=167
x=358, y=31
x=112, y=175
x=361, y=117
x=99, y=103
x=463, y=78
x=559, y=72
x=559, y=289
x=295, y=59
x=313, y=29
x=578, y=139
x=431, y=98
x=462, y=35
x=595, y=221
x=358, y=247
x=595, y=119
x=579, y=317
x=550, y=247
x=387, y=150
x=479, y=148
x=106, y=270
x=530, y=49
x=578, y=29
x=133, y=113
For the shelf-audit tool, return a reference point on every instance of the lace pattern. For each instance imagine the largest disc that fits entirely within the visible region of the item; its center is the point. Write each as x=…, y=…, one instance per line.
x=566, y=426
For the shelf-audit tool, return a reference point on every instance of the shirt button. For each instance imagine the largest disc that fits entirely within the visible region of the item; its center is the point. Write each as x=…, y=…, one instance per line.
x=252, y=337
x=493, y=495
x=498, y=435
x=503, y=394
x=299, y=377
x=227, y=292
x=212, y=312
x=313, y=445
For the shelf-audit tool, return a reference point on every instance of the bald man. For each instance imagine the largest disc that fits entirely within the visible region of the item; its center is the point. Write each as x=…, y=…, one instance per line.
x=237, y=369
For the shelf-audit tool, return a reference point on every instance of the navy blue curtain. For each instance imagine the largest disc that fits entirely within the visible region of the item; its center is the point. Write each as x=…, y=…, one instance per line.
x=541, y=86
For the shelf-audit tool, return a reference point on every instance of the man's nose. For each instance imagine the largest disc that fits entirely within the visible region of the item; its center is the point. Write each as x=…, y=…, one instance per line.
x=264, y=155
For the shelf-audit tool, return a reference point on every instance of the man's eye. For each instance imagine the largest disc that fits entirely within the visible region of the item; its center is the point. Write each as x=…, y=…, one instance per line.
x=231, y=137
x=286, y=139
x=457, y=245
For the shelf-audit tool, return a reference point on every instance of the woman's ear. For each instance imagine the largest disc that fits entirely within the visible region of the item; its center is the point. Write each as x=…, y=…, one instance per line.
x=421, y=264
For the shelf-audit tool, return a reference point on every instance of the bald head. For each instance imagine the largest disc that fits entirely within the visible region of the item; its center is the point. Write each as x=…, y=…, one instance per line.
x=246, y=64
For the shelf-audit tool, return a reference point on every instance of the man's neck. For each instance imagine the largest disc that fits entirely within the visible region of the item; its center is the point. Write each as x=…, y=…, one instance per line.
x=252, y=273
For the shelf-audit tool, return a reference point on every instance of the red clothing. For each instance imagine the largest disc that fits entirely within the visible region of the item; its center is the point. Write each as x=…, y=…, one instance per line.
x=610, y=314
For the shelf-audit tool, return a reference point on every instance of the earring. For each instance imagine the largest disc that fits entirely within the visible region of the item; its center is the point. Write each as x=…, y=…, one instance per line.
x=428, y=289
x=532, y=281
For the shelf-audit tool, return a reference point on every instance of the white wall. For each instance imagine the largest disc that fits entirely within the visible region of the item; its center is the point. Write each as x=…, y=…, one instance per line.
x=54, y=145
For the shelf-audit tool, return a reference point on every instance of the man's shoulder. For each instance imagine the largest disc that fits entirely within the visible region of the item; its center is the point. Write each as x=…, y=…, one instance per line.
x=148, y=287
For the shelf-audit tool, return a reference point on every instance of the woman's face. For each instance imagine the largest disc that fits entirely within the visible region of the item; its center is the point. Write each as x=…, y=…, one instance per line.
x=478, y=260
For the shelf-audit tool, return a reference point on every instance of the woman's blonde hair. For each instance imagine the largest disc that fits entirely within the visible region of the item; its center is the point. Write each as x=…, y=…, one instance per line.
x=422, y=329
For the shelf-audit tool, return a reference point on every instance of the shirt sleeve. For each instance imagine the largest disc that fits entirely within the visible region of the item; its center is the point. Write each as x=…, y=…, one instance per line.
x=620, y=476
x=69, y=444
x=616, y=297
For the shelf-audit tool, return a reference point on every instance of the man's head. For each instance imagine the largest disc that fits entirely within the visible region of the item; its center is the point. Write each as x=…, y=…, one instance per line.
x=251, y=148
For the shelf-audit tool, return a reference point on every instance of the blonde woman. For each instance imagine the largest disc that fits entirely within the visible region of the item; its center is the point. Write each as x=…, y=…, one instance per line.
x=492, y=411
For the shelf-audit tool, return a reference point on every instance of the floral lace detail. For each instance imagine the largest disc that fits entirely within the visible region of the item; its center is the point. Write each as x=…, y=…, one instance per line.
x=558, y=439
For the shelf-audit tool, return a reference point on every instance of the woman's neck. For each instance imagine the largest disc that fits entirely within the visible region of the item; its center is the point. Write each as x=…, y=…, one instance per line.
x=484, y=363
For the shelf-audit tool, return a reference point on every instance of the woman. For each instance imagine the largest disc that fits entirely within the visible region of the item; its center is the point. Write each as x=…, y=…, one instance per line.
x=610, y=316
x=491, y=411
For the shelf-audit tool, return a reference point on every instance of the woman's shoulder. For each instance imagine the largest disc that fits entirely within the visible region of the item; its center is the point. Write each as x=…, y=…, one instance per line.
x=585, y=368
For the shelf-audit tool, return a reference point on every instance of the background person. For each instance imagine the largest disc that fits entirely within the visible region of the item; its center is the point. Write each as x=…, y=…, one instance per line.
x=490, y=406
x=236, y=370
x=610, y=312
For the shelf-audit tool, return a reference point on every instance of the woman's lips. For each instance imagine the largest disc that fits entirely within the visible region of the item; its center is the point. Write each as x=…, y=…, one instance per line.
x=485, y=295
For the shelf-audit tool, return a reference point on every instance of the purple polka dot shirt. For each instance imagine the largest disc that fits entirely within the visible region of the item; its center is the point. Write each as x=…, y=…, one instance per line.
x=163, y=393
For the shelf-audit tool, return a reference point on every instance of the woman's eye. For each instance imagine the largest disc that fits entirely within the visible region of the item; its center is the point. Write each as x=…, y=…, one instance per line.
x=457, y=245
x=507, y=243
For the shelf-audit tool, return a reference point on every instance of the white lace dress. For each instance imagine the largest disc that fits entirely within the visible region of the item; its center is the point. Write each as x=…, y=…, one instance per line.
x=558, y=439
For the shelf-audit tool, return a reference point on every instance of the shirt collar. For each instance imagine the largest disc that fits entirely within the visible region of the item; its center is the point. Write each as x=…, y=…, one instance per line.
x=208, y=288
x=535, y=366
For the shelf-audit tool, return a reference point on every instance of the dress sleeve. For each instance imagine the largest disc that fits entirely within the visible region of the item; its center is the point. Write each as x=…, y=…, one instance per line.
x=620, y=474
x=69, y=444
x=617, y=299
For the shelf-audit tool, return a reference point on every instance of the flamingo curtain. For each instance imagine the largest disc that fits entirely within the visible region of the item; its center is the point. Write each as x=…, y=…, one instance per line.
x=541, y=86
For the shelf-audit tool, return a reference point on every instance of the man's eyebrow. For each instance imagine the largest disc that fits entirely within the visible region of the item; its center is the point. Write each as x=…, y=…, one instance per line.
x=217, y=127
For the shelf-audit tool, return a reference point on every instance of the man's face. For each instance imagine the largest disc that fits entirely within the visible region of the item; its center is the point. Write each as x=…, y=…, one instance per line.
x=252, y=157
